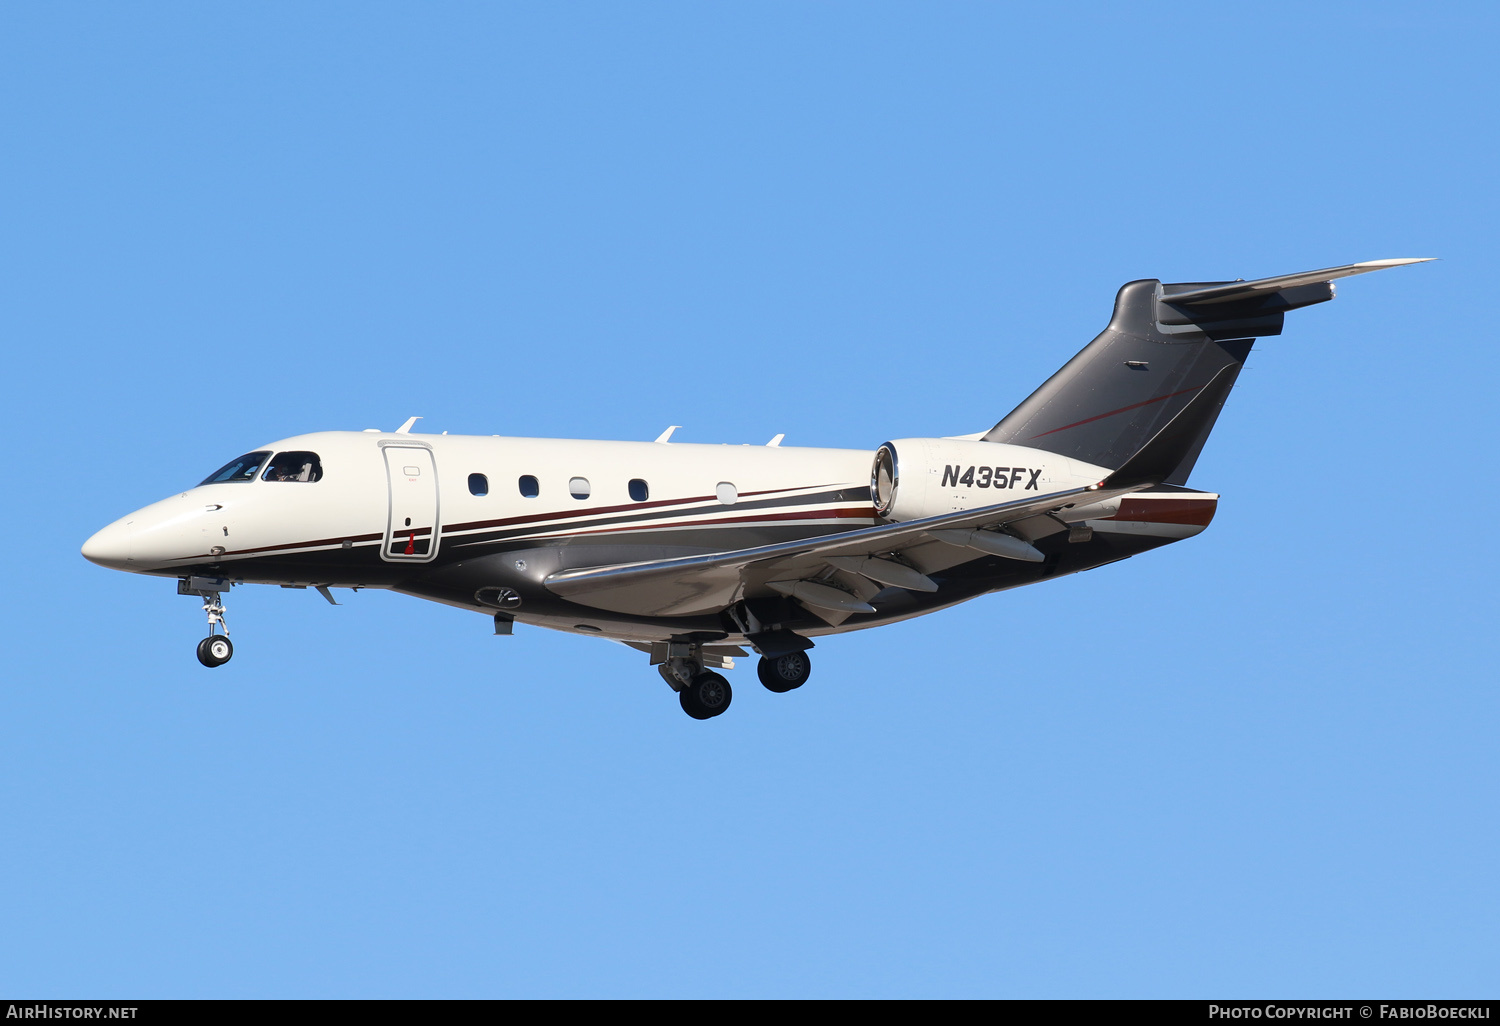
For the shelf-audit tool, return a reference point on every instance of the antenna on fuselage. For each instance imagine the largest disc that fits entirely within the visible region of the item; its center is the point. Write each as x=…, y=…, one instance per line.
x=405, y=429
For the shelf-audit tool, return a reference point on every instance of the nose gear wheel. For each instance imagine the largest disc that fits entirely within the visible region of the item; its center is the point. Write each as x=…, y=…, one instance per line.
x=215, y=650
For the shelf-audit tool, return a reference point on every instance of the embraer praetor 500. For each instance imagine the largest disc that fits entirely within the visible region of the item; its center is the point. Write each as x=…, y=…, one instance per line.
x=691, y=553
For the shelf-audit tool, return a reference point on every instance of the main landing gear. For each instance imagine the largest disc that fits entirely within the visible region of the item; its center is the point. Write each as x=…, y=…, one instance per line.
x=785, y=672
x=705, y=694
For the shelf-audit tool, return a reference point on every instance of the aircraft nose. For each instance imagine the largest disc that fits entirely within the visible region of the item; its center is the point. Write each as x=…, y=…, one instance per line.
x=111, y=546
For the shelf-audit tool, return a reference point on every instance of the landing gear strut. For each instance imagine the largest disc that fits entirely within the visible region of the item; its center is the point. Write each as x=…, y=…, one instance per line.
x=216, y=649
x=703, y=693
x=784, y=672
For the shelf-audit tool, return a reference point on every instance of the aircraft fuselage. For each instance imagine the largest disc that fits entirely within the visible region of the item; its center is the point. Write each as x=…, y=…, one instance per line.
x=481, y=522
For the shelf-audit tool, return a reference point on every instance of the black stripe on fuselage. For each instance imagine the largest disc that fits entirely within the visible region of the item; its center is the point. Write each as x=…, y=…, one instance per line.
x=608, y=516
x=357, y=559
x=587, y=520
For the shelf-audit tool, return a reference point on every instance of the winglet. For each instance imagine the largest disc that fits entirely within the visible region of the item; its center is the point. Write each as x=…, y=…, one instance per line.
x=666, y=435
x=405, y=429
x=775, y=442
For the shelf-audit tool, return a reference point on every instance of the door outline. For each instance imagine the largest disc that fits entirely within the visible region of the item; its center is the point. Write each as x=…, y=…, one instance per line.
x=392, y=465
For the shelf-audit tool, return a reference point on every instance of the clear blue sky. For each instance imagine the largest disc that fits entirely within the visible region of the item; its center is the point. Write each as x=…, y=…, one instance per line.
x=1261, y=762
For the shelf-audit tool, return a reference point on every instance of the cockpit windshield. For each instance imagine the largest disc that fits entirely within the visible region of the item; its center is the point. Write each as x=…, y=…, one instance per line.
x=242, y=469
x=294, y=466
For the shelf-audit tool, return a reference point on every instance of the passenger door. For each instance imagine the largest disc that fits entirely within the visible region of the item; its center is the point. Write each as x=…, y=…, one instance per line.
x=411, y=531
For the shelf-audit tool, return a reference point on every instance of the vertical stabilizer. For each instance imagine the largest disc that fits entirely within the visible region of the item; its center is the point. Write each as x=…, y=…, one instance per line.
x=1164, y=345
x=1124, y=387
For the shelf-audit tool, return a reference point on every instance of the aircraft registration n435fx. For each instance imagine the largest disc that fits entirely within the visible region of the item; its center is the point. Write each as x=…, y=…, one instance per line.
x=691, y=553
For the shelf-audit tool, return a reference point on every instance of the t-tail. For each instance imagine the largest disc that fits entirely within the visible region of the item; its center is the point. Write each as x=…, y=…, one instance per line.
x=1169, y=350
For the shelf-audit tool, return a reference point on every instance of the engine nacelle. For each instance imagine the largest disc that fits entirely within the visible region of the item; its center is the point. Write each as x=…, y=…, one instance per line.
x=921, y=477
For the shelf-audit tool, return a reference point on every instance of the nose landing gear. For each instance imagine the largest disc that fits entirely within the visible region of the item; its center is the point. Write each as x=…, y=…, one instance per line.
x=216, y=649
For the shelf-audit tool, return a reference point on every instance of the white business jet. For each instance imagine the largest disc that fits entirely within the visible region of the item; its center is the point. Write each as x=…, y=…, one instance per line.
x=693, y=553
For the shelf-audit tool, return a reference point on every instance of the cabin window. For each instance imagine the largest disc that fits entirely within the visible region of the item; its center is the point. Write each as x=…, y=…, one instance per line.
x=578, y=487
x=242, y=469
x=638, y=490
x=294, y=466
x=529, y=487
x=479, y=485
x=728, y=494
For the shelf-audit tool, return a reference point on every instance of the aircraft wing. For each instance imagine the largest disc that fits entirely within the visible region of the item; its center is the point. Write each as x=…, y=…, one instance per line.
x=708, y=583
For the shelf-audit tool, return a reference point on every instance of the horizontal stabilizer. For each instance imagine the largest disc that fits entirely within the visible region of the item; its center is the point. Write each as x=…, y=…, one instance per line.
x=1236, y=291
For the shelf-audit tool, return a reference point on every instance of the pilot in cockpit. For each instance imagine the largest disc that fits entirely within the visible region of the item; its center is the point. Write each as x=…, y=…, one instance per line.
x=294, y=466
